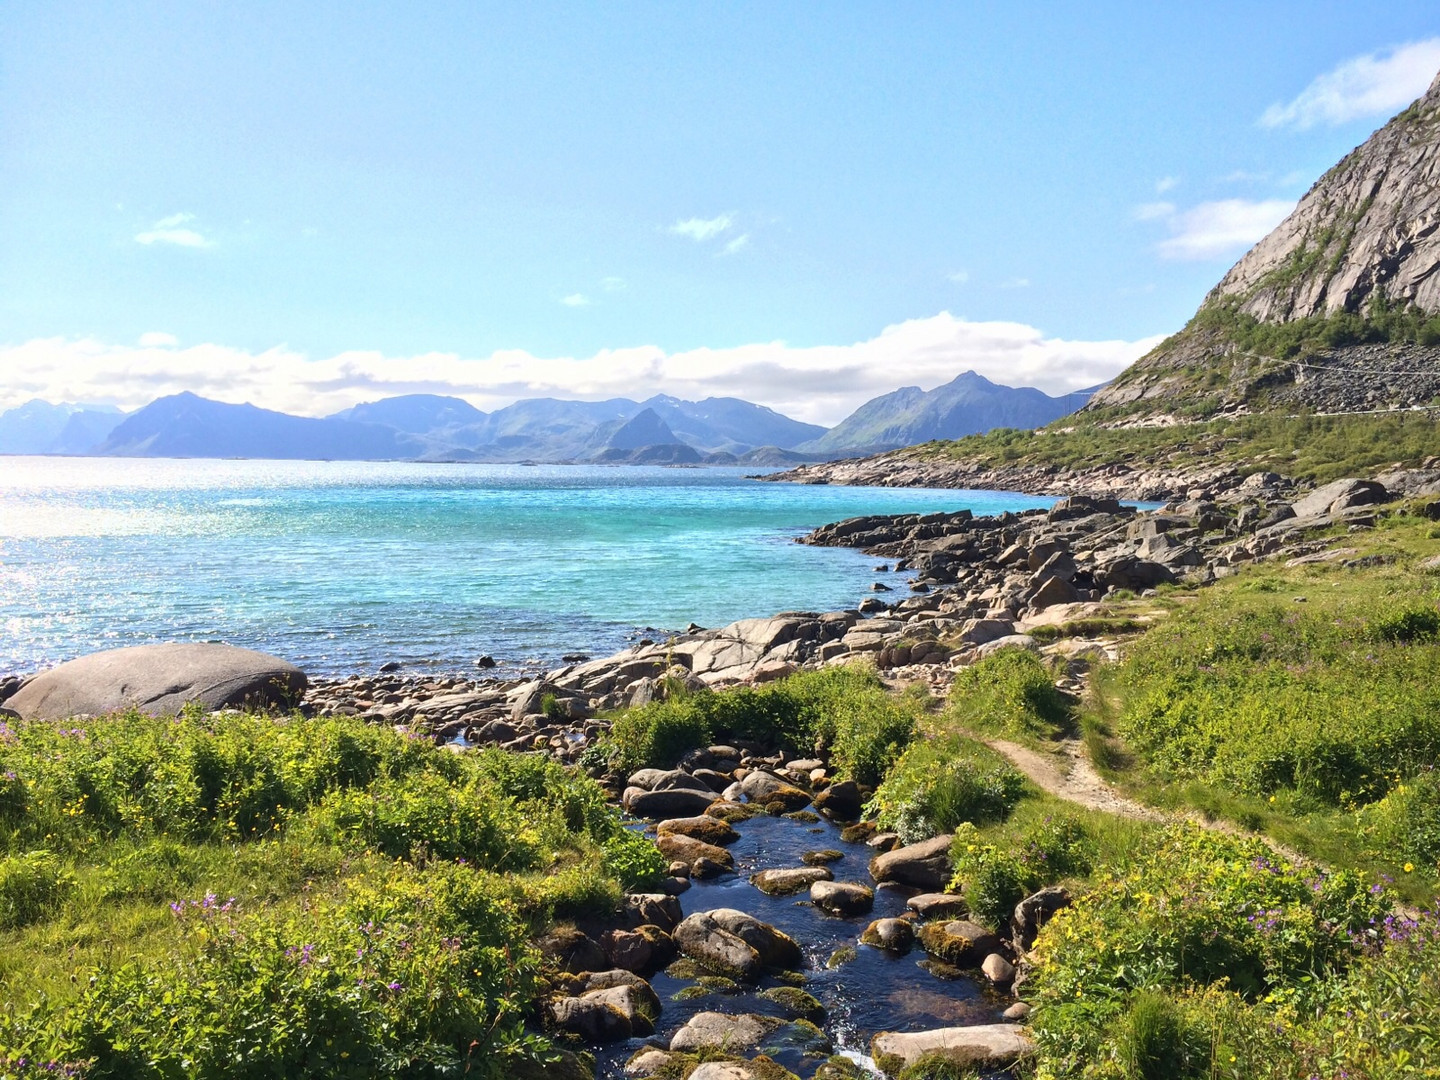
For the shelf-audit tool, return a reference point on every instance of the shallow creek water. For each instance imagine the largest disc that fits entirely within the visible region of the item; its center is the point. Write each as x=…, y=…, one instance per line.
x=876, y=991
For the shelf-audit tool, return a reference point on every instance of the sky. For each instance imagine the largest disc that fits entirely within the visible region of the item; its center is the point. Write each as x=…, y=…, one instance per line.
x=805, y=205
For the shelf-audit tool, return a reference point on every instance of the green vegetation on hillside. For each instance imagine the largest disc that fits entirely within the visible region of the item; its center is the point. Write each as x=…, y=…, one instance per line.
x=252, y=896
x=1309, y=448
x=1312, y=336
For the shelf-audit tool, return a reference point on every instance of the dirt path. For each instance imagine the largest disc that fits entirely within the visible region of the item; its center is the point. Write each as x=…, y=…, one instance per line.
x=1076, y=782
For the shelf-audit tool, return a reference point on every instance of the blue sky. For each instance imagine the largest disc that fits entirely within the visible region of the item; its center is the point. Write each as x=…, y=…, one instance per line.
x=310, y=204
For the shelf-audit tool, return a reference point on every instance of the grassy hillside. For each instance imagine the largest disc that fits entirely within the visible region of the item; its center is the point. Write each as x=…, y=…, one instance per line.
x=1310, y=448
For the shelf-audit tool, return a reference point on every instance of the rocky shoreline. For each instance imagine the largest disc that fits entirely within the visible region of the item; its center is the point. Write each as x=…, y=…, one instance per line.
x=901, y=468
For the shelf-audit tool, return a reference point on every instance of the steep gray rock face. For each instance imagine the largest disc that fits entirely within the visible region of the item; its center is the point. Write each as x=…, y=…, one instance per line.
x=1371, y=222
x=160, y=679
x=1368, y=231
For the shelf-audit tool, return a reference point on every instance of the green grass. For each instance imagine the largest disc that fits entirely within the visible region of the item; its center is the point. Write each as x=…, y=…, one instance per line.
x=254, y=896
x=1313, y=449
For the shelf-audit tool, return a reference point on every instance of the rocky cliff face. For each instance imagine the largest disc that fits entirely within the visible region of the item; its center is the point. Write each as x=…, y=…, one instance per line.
x=1366, y=237
x=1372, y=223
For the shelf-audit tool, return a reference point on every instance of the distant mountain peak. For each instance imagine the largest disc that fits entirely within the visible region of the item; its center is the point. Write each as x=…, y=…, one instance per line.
x=645, y=428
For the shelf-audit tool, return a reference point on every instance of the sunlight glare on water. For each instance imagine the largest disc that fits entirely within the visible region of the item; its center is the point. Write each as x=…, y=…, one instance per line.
x=340, y=566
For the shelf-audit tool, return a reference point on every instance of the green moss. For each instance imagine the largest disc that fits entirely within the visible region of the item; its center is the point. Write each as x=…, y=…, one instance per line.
x=796, y=1003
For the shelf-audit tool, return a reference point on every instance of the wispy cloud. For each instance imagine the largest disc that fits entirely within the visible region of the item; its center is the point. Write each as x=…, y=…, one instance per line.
x=172, y=230
x=701, y=229
x=157, y=339
x=575, y=300
x=1015, y=283
x=739, y=243
x=822, y=384
x=1375, y=84
x=612, y=284
x=1166, y=183
x=1154, y=211
x=958, y=277
x=1214, y=229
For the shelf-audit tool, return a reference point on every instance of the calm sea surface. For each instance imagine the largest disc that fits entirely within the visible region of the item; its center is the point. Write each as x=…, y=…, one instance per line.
x=343, y=566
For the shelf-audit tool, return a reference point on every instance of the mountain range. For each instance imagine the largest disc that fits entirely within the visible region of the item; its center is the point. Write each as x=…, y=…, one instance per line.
x=659, y=430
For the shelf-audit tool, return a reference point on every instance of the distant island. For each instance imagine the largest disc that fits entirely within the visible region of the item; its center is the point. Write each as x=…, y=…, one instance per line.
x=661, y=430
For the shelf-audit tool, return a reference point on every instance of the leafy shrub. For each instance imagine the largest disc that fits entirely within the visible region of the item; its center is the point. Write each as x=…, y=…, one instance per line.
x=632, y=860
x=939, y=784
x=32, y=887
x=1200, y=909
x=993, y=879
x=845, y=710
x=426, y=814
x=1010, y=691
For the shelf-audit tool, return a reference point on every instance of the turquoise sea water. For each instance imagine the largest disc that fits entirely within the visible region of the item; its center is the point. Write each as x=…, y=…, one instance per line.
x=343, y=566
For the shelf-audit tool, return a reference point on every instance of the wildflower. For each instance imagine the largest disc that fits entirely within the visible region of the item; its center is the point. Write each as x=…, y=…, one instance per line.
x=1409, y=868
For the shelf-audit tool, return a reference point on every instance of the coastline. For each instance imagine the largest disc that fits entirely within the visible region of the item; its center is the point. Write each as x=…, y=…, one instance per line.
x=901, y=468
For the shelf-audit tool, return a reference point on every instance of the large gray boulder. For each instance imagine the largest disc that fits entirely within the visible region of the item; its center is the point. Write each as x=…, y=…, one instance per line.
x=983, y=1047
x=1339, y=495
x=160, y=680
x=733, y=943
x=925, y=865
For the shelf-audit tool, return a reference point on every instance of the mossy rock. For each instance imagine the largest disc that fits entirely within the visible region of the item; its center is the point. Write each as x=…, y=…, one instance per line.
x=730, y=813
x=685, y=968
x=796, y=1003
x=858, y=833
x=789, y=978
x=934, y=1067
x=823, y=857
x=809, y=817
x=843, y=955
x=840, y=1068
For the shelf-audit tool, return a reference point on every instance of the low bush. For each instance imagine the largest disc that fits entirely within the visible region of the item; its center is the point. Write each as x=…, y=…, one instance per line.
x=1405, y=825
x=993, y=878
x=1010, y=692
x=1201, y=909
x=942, y=783
x=846, y=711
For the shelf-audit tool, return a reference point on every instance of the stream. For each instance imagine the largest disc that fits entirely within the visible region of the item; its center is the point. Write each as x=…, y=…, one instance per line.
x=873, y=992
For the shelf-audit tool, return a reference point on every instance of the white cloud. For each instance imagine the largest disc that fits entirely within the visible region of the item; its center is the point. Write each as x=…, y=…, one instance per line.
x=575, y=300
x=1213, y=229
x=701, y=229
x=958, y=277
x=1154, y=211
x=156, y=339
x=1166, y=183
x=738, y=244
x=612, y=284
x=1016, y=283
x=822, y=383
x=169, y=230
x=1375, y=84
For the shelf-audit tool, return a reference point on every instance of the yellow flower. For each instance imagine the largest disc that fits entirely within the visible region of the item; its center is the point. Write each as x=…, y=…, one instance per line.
x=1409, y=867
